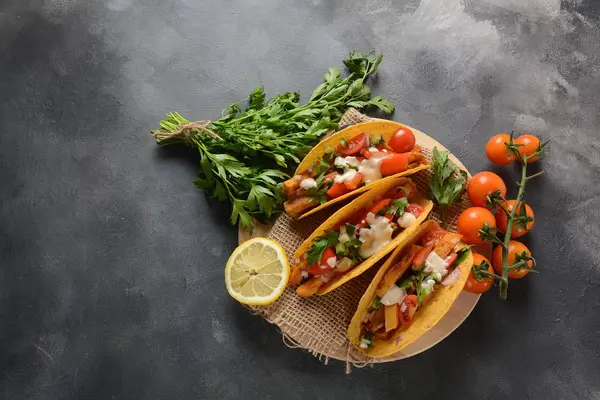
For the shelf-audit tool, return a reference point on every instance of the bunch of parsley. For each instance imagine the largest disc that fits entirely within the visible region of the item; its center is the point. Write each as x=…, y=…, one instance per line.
x=250, y=151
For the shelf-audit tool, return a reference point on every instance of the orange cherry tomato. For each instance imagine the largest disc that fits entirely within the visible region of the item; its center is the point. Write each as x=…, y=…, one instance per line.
x=402, y=141
x=473, y=285
x=529, y=146
x=514, y=248
x=483, y=184
x=317, y=268
x=502, y=220
x=415, y=209
x=471, y=220
x=409, y=304
x=496, y=150
x=336, y=190
x=394, y=164
x=379, y=205
x=354, y=182
x=354, y=145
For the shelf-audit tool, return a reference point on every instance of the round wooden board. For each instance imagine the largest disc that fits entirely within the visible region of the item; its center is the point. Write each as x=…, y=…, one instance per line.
x=461, y=308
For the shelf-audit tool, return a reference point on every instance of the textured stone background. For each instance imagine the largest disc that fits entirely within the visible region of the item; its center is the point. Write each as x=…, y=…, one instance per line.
x=111, y=262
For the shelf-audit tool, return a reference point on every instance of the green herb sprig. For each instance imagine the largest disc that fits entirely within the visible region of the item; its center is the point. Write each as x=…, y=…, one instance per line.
x=243, y=153
x=446, y=186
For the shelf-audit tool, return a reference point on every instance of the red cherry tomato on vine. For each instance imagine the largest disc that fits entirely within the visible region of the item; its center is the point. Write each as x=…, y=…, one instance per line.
x=514, y=248
x=471, y=220
x=529, y=145
x=502, y=220
x=483, y=184
x=473, y=285
x=496, y=150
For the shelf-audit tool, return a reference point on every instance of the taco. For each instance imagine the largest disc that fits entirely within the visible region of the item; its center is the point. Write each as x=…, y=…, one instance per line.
x=411, y=292
x=357, y=236
x=348, y=163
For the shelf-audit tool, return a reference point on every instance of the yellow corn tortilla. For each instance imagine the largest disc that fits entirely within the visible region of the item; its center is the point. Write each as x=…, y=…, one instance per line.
x=385, y=129
x=427, y=316
x=377, y=191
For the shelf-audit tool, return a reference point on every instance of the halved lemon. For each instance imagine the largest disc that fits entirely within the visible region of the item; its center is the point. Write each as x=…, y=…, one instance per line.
x=257, y=272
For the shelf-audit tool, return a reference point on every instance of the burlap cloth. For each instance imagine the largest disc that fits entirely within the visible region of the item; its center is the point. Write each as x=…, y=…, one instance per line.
x=319, y=324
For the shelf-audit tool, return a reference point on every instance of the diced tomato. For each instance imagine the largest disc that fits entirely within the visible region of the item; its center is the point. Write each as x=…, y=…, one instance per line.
x=354, y=182
x=450, y=259
x=394, y=164
x=420, y=257
x=433, y=236
x=355, y=145
x=365, y=153
x=409, y=304
x=389, y=216
x=380, y=205
x=415, y=209
x=336, y=190
x=358, y=216
x=316, y=269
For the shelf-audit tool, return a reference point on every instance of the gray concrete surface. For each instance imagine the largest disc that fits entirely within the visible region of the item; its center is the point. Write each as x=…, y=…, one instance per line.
x=111, y=262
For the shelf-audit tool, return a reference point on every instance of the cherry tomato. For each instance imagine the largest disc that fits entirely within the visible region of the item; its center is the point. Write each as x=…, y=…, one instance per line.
x=433, y=236
x=529, y=146
x=483, y=184
x=379, y=205
x=473, y=285
x=337, y=190
x=514, y=248
x=415, y=209
x=394, y=164
x=419, y=258
x=354, y=145
x=471, y=220
x=402, y=141
x=316, y=269
x=354, y=182
x=496, y=150
x=502, y=220
x=409, y=304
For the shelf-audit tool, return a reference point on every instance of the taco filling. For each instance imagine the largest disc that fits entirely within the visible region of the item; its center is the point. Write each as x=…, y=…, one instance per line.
x=411, y=282
x=357, y=238
x=353, y=164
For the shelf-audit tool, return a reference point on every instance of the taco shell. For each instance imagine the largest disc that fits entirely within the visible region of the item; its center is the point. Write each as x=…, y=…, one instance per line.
x=427, y=316
x=377, y=191
x=385, y=129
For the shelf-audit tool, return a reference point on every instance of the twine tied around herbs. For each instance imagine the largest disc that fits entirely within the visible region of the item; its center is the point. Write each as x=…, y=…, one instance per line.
x=185, y=132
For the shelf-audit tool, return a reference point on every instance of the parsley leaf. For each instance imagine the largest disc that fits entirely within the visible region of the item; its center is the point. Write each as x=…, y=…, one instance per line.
x=243, y=153
x=319, y=245
x=446, y=186
x=376, y=303
x=397, y=206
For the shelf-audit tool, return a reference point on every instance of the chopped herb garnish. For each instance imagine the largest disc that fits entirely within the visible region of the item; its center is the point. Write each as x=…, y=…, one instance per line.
x=398, y=206
x=350, y=229
x=461, y=256
x=343, y=142
x=376, y=303
x=376, y=140
x=320, y=244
